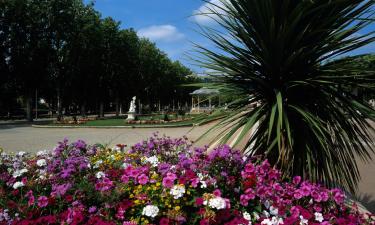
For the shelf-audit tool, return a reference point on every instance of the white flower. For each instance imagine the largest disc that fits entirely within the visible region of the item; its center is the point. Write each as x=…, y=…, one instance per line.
x=97, y=164
x=100, y=174
x=41, y=162
x=256, y=216
x=303, y=221
x=125, y=165
x=274, y=211
x=203, y=184
x=112, y=157
x=42, y=153
x=319, y=217
x=267, y=204
x=20, y=154
x=17, y=185
x=217, y=203
x=273, y=221
x=153, y=160
x=177, y=191
x=150, y=211
x=246, y=216
x=19, y=173
x=266, y=213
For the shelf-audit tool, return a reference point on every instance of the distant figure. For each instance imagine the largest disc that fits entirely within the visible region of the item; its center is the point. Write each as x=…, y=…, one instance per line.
x=132, y=105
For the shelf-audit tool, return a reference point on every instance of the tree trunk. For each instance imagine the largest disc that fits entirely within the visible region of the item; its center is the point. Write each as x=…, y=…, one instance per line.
x=29, y=114
x=59, y=106
x=117, y=106
x=101, y=109
x=83, y=110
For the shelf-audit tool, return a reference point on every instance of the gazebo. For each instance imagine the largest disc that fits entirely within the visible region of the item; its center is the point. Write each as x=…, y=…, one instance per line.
x=203, y=95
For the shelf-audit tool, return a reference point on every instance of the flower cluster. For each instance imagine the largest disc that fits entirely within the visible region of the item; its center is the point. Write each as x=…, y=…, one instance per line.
x=160, y=181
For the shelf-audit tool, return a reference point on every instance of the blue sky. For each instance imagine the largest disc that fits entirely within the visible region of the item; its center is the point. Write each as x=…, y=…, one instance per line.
x=171, y=24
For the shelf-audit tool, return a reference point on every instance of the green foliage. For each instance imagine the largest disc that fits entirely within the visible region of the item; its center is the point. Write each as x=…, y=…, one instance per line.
x=281, y=57
x=78, y=60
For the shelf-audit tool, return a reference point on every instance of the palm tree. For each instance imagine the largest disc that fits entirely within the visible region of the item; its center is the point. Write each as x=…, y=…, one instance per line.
x=283, y=58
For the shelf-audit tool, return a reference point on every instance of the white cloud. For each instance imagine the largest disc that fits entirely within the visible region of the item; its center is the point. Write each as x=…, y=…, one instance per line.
x=204, y=15
x=167, y=33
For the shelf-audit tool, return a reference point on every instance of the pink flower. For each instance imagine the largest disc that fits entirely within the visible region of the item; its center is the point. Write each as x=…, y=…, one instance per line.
x=142, y=179
x=217, y=193
x=298, y=194
x=168, y=182
x=129, y=223
x=305, y=189
x=171, y=175
x=124, y=179
x=296, y=180
x=338, y=196
x=31, y=198
x=104, y=185
x=42, y=201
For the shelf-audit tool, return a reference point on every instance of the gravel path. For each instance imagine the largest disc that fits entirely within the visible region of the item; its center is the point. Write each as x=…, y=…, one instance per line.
x=26, y=138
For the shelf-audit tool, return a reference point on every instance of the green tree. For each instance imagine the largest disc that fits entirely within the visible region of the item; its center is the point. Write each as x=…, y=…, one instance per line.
x=27, y=47
x=275, y=55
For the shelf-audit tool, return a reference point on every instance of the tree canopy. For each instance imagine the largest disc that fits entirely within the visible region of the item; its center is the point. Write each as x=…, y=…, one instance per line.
x=65, y=52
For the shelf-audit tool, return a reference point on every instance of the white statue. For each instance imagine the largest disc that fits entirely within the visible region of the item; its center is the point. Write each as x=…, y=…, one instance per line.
x=132, y=105
x=131, y=113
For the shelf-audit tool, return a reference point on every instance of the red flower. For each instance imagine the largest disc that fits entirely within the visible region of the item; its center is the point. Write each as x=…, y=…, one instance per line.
x=11, y=204
x=202, y=211
x=164, y=221
x=199, y=201
x=69, y=198
x=51, y=200
x=204, y=222
x=15, y=192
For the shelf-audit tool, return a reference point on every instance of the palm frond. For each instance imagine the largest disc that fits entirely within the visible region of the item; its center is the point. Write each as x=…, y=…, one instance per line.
x=284, y=57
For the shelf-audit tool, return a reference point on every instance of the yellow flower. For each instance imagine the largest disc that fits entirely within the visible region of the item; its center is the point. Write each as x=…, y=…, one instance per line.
x=177, y=208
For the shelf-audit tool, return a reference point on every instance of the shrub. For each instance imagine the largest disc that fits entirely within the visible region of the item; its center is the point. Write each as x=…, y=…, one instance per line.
x=160, y=181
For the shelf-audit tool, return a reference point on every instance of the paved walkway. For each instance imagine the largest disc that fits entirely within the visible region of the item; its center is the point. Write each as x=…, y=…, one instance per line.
x=26, y=138
x=23, y=137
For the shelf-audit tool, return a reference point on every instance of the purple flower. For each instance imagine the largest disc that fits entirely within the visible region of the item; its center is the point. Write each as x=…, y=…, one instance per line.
x=60, y=190
x=92, y=209
x=42, y=201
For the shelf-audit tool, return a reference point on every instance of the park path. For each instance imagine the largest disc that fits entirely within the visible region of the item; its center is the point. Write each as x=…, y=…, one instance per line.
x=15, y=138
x=26, y=138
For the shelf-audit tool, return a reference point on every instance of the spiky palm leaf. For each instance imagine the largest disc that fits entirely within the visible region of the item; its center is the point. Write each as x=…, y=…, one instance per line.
x=283, y=56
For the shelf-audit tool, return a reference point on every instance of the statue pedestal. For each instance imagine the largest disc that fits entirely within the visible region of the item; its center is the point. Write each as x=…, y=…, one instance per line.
x=131, y=116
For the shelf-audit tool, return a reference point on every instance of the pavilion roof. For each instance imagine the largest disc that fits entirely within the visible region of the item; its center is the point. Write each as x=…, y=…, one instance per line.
x=205, y=91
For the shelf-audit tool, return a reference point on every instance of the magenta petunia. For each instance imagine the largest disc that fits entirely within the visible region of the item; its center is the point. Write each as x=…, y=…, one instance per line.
x=142, y=179
x=42, y=201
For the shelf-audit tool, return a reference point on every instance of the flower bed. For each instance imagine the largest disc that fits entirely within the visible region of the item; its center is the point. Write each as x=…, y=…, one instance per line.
x=160, y=181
